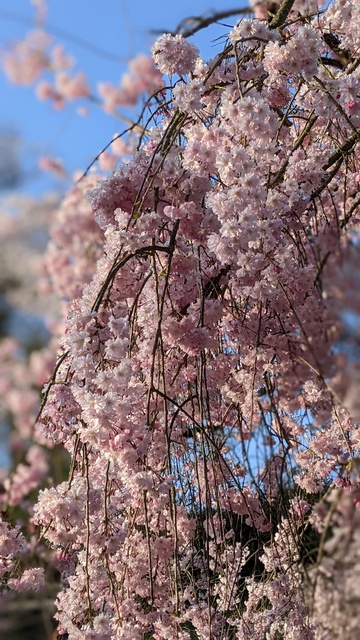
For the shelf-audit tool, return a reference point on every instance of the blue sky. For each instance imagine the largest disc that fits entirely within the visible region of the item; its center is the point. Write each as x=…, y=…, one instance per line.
x=119, y=27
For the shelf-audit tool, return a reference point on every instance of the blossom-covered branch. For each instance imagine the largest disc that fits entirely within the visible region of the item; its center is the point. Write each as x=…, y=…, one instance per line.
x=204, y=392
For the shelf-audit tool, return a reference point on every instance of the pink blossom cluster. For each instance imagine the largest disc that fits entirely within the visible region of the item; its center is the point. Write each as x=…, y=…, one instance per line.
x=12, y=545
x=142, y=78
x=75, y=244
x=13, y=548
x=197, y=390
x=27, y=61
x=174, y=54
x=30, y=580
x=26, y=477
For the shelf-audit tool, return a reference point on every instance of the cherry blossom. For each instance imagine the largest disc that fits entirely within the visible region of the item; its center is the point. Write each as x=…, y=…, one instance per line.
x=204, y=387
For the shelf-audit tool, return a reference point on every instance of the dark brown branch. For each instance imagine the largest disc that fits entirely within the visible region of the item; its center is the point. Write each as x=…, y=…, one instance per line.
x=212, y=288
x=306, y=130
x=141, y=252
x=50, y=384
x=327, y=179
x=280, y=18
x=193, y=24
x=343, y=150
x=334, y=43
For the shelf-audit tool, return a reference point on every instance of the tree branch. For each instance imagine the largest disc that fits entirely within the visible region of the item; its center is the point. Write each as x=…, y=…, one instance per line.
x=282, y=14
